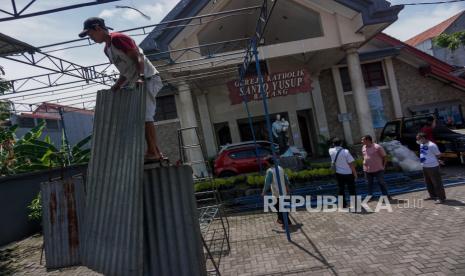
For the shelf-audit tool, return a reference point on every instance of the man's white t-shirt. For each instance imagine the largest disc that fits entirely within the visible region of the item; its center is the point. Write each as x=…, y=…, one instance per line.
x=343, y=160
x=429, y=153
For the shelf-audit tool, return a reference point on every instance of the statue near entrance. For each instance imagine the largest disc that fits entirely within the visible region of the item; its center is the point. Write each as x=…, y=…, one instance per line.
x=280, y=129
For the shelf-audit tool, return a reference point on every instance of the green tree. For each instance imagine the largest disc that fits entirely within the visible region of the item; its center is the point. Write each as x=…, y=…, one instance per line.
x=451, y=41
x=5, y=106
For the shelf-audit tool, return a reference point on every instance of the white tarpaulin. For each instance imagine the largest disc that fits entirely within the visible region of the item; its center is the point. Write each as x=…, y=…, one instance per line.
x=402, y=156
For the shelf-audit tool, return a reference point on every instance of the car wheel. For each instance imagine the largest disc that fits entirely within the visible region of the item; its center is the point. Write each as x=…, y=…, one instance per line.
x=227, y=174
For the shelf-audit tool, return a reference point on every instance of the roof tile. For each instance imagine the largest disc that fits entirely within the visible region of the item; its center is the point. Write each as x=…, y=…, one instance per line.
x=434, y=31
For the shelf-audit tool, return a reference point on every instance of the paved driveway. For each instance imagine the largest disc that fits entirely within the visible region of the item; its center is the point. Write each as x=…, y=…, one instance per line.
x=409, y=241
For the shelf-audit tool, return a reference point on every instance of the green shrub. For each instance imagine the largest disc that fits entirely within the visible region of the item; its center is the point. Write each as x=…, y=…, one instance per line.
x=35, y=208
x=250, y=180
x=239, y=179
x=202, y=186
x=259, y=181
x=218, y=183
x=254, y=180
x=359, y=163
x=302, y=175
x=320, y=165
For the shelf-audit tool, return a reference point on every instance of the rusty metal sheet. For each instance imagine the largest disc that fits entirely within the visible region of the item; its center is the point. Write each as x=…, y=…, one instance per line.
x=62, y=216
x=113, y=217
x=172, y=237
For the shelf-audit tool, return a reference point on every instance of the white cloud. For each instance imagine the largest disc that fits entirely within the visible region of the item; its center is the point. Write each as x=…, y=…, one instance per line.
x=107, y=13
x=63, y=26
x=129, y=14
x=157, y=9
x=34, y=30
x=411, y=23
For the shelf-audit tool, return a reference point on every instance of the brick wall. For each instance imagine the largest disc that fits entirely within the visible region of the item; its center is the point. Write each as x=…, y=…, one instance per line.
x=415, y=89
x=332, y=108
x=167, y=137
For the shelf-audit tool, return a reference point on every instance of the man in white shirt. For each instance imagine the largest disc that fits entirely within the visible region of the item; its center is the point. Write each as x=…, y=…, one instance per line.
x=429, y=158
x=344, y=164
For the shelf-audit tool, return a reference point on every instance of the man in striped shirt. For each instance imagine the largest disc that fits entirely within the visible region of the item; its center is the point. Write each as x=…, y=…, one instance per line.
x=271, y=181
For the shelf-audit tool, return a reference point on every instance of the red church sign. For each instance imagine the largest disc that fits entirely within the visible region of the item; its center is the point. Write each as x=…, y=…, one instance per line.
x=275, y=85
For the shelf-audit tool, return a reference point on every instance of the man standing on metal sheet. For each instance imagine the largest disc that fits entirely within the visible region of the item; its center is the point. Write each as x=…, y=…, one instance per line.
x=134, y=68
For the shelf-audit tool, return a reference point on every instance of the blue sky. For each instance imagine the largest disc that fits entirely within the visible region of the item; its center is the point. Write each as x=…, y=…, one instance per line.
x=66, y=25
x=415, y=19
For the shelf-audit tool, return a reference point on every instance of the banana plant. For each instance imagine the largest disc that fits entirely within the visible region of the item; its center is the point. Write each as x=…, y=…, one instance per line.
x=30, y=153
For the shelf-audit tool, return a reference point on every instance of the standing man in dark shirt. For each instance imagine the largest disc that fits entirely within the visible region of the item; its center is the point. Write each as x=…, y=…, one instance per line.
x=134, y=68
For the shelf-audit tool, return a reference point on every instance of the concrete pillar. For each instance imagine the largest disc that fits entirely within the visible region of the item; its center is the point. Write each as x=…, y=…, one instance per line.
x=294, y=125
x=234, y=129
x=360, y=94
x=342, y=106
x=393, y=86
x=207, y=129
x=319, y=106
x=188, y=119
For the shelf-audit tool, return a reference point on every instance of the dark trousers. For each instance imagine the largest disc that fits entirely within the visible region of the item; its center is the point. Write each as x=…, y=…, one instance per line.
x=382, y=184
x=344, y=180
x=434, y=184
x=280, y=214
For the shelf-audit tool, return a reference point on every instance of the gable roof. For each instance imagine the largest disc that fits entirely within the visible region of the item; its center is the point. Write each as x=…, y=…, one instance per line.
x=436, y=67
x=51, y=111
x=434, y=31
x=373, y=12
x=159, y=38
x=46, y=107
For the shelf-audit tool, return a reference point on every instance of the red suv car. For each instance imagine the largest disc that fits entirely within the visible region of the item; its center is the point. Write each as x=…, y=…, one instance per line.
x=241, y=158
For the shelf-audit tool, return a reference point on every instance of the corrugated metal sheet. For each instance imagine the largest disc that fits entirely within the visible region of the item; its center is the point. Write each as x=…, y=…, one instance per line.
x=172, y=237
x=113, y=217
x=62, y=217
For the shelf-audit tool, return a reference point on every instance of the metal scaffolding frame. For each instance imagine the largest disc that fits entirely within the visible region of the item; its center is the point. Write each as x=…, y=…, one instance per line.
x=57, y=92
x=61, y=68
x=253, y=55
x=18, y=13
x=21, y=107
x=165, y=24
x=91, y=74
x=30, y=107
x=174, y=80
x=213, y=221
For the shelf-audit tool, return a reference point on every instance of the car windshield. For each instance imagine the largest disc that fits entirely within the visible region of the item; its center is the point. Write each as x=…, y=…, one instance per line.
x=415, y=125
x=391, y=129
